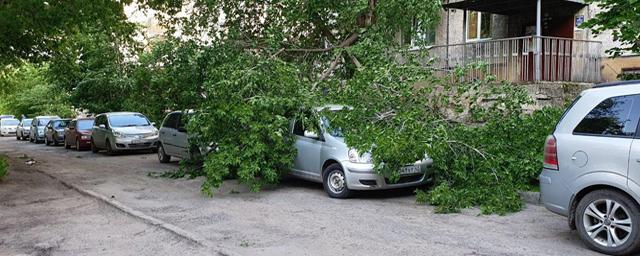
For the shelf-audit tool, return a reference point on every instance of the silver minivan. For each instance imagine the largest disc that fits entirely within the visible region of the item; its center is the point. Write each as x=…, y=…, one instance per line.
x=123, y=131
x=591, y=168
x=8, y=126
x=22, y=133
x=173, y=141
x=325, y=158
x=36, y=130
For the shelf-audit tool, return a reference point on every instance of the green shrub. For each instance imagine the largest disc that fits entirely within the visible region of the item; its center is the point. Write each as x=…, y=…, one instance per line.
x=489, y=164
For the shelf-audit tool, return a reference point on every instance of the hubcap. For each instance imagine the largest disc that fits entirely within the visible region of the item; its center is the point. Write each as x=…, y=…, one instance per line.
x=336, y=182
x=607, y=222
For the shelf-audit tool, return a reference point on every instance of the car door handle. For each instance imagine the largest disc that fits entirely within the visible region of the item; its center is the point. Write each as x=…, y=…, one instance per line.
x=638, y=160
x=175, y=134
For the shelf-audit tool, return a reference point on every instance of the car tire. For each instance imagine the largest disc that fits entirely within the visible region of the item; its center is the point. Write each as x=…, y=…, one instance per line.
x=78, y=148
x=94, y=149
x=335, y=182
x=162, y=156
x=109, y=149
x=609, y=222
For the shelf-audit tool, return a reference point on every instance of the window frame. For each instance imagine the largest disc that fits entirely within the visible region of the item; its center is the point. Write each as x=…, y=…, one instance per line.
x=635, y=107
x=479, y=37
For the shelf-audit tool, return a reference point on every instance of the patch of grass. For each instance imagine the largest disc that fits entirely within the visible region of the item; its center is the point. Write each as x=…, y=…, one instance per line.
x=173, y=174
x=4, y=167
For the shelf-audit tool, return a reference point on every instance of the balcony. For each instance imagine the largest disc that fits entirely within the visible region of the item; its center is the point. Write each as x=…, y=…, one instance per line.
x=525, y=59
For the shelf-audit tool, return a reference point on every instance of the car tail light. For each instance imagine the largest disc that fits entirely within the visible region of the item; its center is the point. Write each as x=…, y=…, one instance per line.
x=551, y=153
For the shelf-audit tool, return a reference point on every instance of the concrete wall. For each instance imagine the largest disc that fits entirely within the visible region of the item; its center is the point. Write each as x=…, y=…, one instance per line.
x=553, y=93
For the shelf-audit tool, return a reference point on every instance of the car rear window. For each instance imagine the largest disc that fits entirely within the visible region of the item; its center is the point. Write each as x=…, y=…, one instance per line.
x=615, y=117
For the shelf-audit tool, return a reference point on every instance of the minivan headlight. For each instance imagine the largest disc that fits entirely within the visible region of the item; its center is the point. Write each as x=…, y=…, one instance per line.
x=355, y=157
x=118, y=134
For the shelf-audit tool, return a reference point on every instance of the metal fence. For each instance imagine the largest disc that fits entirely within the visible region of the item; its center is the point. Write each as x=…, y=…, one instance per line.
x=514, y=59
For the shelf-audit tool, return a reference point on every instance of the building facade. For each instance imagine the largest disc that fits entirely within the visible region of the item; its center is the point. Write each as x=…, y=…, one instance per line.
x=528, y=41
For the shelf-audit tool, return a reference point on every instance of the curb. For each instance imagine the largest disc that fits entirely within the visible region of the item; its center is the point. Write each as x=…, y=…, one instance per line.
x=531, y=197
x=145, y=218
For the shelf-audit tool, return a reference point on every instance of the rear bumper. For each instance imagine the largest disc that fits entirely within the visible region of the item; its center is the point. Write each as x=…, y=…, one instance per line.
x=554, y=193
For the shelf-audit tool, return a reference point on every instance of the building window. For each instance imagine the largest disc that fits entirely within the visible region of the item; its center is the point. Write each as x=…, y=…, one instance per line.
x=416, y=36
x=478, y=26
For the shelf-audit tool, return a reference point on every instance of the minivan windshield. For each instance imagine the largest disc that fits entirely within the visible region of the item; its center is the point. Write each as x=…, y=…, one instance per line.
x=334, y=131
x=84, y=124
x=10, y=122
x=128, y=120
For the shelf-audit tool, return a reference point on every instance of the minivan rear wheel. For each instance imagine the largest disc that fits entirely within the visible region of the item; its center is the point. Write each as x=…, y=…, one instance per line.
x=335, y=182
x=609, y=222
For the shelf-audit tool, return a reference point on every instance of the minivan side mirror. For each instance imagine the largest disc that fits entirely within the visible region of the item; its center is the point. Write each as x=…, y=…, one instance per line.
x=153, y=124
x=102, y=126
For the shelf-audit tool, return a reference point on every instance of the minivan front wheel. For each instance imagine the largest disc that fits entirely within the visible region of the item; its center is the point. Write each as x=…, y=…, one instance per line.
x=94, y=149
x=335, y=182
x=162, y=156
x=609, y=222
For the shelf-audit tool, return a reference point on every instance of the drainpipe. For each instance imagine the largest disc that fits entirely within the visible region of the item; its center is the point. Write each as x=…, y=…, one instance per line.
x=538, y=57
x=448, y=16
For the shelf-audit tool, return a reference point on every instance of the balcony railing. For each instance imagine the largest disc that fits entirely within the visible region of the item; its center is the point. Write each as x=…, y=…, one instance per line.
x=516, y=59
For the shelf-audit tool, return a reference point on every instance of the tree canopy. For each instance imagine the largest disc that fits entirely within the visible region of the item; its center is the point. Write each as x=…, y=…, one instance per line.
x=622, y=18
x=33, y=29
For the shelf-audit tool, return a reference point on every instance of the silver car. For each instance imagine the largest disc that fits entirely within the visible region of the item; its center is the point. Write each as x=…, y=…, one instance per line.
x=591, y=168
x=22, y=133
x=8, y=126
x=173, y=141
x=36, y=129
x=325, y=158
x=123, y=131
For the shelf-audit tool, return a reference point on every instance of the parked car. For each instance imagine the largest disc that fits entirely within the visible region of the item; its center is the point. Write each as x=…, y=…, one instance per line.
x=36, y=129
x=174, y=140
x=8, y=126
x=7, y=116
x=325, y=158
x=591, y=168
x=78, y=133
x=22, y=133
x=122, y=131
x=54, y=131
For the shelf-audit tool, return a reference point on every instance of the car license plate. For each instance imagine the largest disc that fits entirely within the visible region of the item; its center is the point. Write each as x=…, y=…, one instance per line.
x=137, y=141
x=409, y=170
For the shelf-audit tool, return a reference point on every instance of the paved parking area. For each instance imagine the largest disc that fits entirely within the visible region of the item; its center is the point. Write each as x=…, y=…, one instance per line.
x=295, y=218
